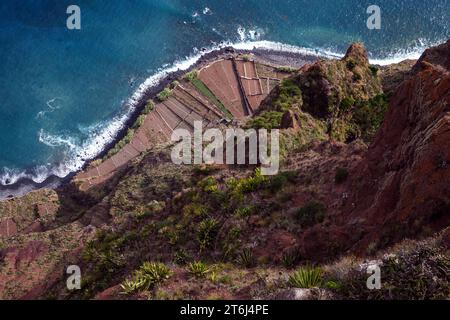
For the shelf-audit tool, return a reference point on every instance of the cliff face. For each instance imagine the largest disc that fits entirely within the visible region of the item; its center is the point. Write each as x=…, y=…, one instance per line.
x=331, y=198
x=401, y=188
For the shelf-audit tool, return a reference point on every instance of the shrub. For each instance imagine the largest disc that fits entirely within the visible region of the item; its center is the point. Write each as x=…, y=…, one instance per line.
x=333, y=285
x=130, y=286
x=245, y=212
x=341, y=175
x=198, y=269
x=146, y=277
x=209, y=185
x=290, y=95
x=278, y=181
x=267, y=120
x=195, y=210
x=155, y=272
x=181, y=257
x=246, y=57
x=122, y=143
x=306, y=278
x=312, y=213
x=164, y=95
x=250, y=184
x=191, y=76
x=374, y=70
x=357, y=76
x=286, y=69
x=347, y=103
x=247, y=259
x=149, y=107
x=351, y=64
x=416, y=270
x=139, y=122
x=207, y=231
x=369, y=115
x=290, y=258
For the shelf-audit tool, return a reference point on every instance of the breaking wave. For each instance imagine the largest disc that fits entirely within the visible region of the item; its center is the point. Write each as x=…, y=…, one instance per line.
x=73, y=153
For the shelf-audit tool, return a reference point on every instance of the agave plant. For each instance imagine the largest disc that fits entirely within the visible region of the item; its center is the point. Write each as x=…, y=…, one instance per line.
x=156, y=272
x=306, y=278
x=130, y=286
x=147, y=276
x=198, y=269
x=247, y=259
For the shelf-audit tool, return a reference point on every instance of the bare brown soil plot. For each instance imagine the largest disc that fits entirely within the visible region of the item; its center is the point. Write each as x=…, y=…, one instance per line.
x=222, y=81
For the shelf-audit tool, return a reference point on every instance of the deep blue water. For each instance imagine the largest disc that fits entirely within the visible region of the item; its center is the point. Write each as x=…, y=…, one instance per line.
x=62, y=92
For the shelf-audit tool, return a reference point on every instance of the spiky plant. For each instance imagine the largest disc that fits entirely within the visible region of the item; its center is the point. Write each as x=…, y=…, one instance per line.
x=306, y=278
x=156, y=272
x=198, y=269
x=247, y=259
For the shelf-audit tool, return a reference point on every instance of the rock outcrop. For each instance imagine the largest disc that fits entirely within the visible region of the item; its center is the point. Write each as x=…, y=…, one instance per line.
x=327, y=84
x=402, y=186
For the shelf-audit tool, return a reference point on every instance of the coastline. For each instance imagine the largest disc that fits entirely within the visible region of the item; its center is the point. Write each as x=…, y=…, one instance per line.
x=25, y=185
x=276, y=54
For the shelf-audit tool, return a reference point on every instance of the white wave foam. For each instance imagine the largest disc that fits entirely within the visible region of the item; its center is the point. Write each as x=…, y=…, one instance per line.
x=207, y=11
x=103, y=133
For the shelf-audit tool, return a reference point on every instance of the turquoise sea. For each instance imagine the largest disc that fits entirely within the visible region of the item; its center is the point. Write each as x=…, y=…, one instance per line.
x=64, y=94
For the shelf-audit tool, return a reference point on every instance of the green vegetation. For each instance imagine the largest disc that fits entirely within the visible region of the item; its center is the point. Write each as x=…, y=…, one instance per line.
x=207, y=232
x=149, y=107
x=247, y=259
x=181, y=257
x=248, y=185
x=306, y=278
x=351, y=64
x=130, y=133
x=192, y=77
x=290, y=258
x=357, y=76
x=245, y=212
x=311, y=214
x=267, y=120
x=369, y=115
x=198, y=269
x=277, y=182
x=164, y=95
x=139, y=122
x=413, y=271
x=374, y=70
x=341, y=175
x=122, y=143
x=289, y=96
x=146, y=277
x=247, y=57
x=346, y=104
x=286, y=69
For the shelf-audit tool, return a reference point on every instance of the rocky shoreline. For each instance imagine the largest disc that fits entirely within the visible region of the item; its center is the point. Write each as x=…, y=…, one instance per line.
x=24, y=186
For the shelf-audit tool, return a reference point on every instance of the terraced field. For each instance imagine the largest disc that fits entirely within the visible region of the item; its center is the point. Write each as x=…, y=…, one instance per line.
x=223, y=89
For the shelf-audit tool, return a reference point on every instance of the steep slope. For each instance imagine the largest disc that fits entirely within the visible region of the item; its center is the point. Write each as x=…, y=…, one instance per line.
x=401, y=188
x=157, y=230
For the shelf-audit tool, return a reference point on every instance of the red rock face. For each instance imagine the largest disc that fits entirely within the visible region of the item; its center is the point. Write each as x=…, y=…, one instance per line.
x=402, y=187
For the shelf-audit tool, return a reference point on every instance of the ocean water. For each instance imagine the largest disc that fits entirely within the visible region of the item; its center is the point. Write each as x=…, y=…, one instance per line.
x=65, y=93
